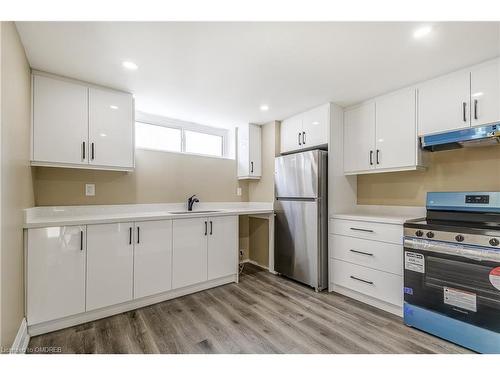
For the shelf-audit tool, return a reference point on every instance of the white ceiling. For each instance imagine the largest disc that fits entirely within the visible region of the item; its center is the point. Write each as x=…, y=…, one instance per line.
x=220, y=73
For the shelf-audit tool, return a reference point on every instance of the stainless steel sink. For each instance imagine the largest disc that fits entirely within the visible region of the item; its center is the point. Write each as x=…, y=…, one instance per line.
x=192, y=212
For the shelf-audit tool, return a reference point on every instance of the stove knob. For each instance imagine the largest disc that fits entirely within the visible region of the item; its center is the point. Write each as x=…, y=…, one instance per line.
x=430, y=235
x=419, y=233
x=459, y=238
x=494, y=242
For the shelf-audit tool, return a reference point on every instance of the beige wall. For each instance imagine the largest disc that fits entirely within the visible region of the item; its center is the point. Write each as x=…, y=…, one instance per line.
x=16, y=183
x=454, y=170
x=158, y=177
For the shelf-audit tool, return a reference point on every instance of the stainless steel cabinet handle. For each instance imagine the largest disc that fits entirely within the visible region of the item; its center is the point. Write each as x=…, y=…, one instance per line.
x=377, y=158
x=206, y=229
x=130, y=236
x=211, y=227
x=475, y=109
x=138, y=234
x=300, y=144
x=251, y=163
x=371, y=157
x=362, y=230
x=464, y=106
x=81, y=240
x=92, y=153
x=83, y=150
x=303, y=138
x=363, y=281
x=360, y=252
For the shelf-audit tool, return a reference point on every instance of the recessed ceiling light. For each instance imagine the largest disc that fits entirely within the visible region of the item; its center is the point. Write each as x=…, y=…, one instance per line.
x=113, y=106
x=264, y=107
x=130, y=65
x=422, y=31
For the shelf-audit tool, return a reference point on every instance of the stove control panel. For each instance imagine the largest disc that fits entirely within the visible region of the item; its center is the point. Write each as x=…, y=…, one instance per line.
x=477, y=199
x=419, y=233
x=430, y=235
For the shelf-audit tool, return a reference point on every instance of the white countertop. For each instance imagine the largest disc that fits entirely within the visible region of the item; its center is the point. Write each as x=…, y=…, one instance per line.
x=36, y=217
x=382, y=214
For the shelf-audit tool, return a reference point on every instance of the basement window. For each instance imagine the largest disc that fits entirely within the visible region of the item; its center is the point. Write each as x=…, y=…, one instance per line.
x=169, y=135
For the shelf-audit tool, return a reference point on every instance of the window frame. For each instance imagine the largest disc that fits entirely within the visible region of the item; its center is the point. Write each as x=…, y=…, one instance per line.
x=155, y=120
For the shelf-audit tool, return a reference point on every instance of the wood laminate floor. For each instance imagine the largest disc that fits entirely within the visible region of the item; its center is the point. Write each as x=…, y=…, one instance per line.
x=264, y=313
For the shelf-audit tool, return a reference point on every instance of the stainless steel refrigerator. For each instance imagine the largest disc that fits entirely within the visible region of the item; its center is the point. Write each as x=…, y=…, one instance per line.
x=301, y=224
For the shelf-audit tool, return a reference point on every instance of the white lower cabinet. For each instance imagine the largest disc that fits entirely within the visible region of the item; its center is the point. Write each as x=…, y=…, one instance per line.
x=80, y=272
x=55, y=273
x=189, y=261
x=366, y=262
x=204, y=249
x=222, y=246
x=110, y=262
x=152, y=257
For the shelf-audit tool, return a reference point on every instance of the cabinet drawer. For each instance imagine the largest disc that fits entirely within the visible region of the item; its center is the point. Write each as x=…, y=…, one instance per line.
x=377, y=284
x=379, y=255
x=364, y=229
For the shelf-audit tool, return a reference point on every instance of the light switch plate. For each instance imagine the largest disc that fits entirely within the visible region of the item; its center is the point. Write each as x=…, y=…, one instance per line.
x=90, y=190
x=238, y=192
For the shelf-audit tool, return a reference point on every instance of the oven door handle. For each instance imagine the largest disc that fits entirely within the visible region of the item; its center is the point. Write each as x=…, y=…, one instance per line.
x=464, y=251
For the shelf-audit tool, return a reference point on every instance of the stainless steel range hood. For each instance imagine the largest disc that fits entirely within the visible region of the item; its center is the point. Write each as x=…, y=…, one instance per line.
x=471, y=137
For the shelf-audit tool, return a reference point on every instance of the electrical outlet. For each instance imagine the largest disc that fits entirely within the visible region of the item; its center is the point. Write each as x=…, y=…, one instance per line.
x=238, y=192
x=90, y=190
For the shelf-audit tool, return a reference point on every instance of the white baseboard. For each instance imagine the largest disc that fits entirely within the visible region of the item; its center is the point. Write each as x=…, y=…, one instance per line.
x=22, y=339
x=389, y=307
x=54, y=325
x=255, y=263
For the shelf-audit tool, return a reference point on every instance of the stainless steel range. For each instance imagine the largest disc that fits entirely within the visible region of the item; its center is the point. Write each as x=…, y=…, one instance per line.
x=452, y=269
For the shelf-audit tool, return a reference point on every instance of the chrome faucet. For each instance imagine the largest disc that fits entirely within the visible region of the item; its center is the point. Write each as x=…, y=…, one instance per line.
x=192, y=200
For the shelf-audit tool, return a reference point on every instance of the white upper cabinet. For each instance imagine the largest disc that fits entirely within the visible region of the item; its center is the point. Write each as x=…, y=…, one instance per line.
x=249, y=152
x=222, y=246
x=55, y=273
x=485, y=93
x=306, y=130
x=60, y=121
x=315, y=125
x=111, y=136
x=291, y=134
x=444, y=103
x=380, y=135
x=152, y=257
x=395, y=139
x=80, y=126
x=110, y=264
x=359, y=136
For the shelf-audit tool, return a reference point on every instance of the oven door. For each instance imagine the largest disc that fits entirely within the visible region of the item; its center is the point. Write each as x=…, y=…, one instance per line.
x=459, y=281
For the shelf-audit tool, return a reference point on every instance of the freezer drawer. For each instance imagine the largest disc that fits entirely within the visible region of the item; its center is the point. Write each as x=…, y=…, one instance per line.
x=300, y=249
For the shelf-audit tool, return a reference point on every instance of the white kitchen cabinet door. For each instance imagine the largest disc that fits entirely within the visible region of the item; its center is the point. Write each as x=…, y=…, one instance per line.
x=291, y=134
x=222, y=246
x=396, y=136
x=55, y=273
x=152, y=257
x=110, y=254
x=60, y=121
x=315, y=125
x=249, y=152
x=189, y=258
x=485, y=93
x=444, y=103
x=255, y=150
x=359, y=138
x=111, y=128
